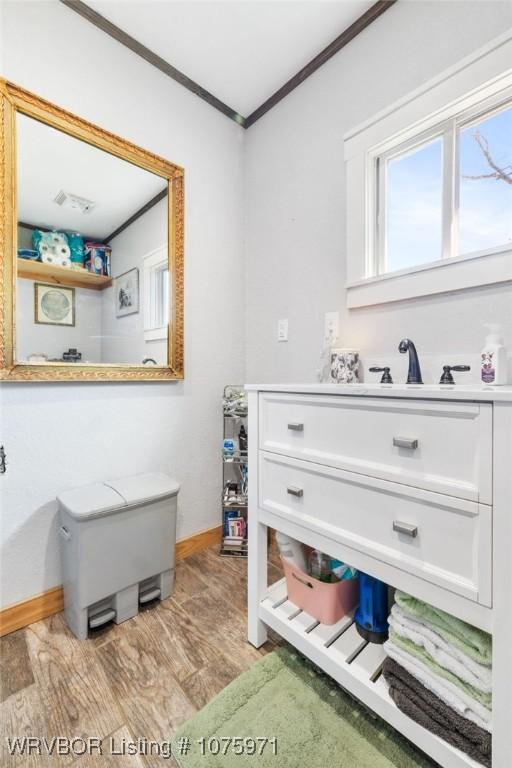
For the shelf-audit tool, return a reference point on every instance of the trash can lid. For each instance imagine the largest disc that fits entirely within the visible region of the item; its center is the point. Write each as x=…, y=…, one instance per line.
x=137, y=489
x=102, y=498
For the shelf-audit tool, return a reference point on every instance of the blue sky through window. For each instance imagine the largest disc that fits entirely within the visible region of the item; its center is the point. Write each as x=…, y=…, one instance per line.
x=485, y=204
x=414, y=206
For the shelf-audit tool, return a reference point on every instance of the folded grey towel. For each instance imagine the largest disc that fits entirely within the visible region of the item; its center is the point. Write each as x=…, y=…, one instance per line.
x=425, y=708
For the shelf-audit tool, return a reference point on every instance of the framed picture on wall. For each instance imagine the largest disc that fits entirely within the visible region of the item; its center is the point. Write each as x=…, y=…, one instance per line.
x=126, y=293
x=54, y=304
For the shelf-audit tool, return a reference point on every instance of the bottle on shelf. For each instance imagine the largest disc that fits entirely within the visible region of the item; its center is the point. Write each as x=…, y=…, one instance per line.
x=320, y=566
x=494, y=357
x=292, y=550
x=229, y=447
x=242, y=439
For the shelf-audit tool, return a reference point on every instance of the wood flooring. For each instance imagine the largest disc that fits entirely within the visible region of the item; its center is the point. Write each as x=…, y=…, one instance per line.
x=140, y=679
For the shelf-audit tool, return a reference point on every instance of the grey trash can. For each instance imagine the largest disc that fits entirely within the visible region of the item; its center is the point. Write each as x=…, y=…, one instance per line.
x=117, y=548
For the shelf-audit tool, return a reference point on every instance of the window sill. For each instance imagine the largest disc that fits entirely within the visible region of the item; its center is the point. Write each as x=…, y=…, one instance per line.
x=156, y=334
x=471, y=271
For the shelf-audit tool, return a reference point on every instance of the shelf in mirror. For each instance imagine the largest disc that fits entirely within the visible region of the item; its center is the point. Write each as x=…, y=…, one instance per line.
x=36, y=270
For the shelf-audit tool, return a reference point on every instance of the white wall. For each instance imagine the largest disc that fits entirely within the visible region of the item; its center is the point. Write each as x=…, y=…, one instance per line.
x=123, y=337
x=62, y=435
x=295, y=203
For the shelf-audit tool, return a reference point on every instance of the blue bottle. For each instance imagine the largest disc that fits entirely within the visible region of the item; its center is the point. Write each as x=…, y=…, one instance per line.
x=372, y=614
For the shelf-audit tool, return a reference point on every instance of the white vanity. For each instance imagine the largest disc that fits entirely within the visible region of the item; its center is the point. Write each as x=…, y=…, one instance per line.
x=411, y=484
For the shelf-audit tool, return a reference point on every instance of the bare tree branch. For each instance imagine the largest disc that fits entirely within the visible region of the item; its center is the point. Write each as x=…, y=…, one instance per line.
x=482, y=176
x=499, y=173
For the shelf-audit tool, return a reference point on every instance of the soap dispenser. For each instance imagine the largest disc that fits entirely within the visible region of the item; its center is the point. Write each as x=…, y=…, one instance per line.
x=494, y=357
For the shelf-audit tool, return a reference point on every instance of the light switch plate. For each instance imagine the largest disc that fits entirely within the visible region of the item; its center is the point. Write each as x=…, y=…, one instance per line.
x=282, y=329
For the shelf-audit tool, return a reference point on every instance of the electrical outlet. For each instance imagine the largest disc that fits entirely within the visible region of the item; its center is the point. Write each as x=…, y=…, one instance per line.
x=331, y=326
x=282, y=329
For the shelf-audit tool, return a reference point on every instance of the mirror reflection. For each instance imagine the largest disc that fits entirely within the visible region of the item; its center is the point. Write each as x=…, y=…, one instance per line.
x=92, y=269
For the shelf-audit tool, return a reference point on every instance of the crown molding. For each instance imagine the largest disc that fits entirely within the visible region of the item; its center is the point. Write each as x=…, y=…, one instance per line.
x=321, y=58
x=151, y=57
x=141, y=211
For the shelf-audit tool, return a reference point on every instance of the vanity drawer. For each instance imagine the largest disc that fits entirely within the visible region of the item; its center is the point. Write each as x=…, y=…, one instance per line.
x=442, y=539
x=439, y=446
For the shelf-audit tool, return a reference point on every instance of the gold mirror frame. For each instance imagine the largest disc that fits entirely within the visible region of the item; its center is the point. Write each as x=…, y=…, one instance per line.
x=15, y=99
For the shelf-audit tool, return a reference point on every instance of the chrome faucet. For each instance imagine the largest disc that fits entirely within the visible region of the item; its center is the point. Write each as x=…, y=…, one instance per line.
x=414, y=374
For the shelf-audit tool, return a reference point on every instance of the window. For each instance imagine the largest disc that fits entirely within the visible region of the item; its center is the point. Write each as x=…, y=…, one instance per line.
x=156, y=295
x=485, y=183
x=447, y=192
x=414, y=207
x=428, y=186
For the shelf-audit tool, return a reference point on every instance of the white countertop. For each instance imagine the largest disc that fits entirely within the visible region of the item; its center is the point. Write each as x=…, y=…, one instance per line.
x=478, y=393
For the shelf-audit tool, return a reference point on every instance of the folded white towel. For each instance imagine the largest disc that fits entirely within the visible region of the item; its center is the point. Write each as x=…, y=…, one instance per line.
x=445, y=654
x=455, y=697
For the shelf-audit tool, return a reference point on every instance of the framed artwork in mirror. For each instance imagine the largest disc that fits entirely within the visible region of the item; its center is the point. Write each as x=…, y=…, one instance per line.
x=126, y=293
x=54, y=305
x=80, y=208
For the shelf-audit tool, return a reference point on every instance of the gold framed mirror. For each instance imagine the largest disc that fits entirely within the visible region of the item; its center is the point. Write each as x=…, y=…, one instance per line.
x=91, y=250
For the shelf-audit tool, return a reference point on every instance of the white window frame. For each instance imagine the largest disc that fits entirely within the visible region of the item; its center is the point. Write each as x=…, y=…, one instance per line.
x=448, y=132
x=153, y=262
x=479, y=85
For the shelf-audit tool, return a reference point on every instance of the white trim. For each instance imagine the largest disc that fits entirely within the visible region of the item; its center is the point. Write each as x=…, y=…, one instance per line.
x=156, y=257
x=494, y=45
x=151, y=262
x=156, y=334
x=431, y=114
x=456, y=274
x=504, y=249
x=450, y=191
x=485, y=80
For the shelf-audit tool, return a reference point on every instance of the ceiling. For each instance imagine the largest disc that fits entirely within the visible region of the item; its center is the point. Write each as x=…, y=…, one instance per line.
x=49, y=161
x=241, y=51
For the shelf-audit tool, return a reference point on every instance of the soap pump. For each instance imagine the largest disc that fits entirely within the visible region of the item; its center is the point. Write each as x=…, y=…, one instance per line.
x=494, y=357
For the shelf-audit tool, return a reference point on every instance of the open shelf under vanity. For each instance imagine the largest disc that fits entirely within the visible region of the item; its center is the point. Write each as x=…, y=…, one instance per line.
x=355, y=664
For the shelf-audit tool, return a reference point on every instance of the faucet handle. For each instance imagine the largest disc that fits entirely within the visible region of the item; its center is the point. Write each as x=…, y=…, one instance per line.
x=447, y=377
x=386, y=376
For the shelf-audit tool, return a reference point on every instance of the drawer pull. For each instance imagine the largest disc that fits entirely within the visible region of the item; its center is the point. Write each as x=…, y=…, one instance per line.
x=296, y=426
x=294, y=491
x=407, y=528
x=405, y=442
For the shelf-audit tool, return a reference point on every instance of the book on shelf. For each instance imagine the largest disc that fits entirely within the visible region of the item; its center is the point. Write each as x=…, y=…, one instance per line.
x=239, y=546
x=234, y=523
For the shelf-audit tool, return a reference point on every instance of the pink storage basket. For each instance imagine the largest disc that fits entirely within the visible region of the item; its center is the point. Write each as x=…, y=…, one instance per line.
x=327, y=603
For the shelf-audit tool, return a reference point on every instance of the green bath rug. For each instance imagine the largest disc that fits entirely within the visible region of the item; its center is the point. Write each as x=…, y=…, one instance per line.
x=313, y=723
